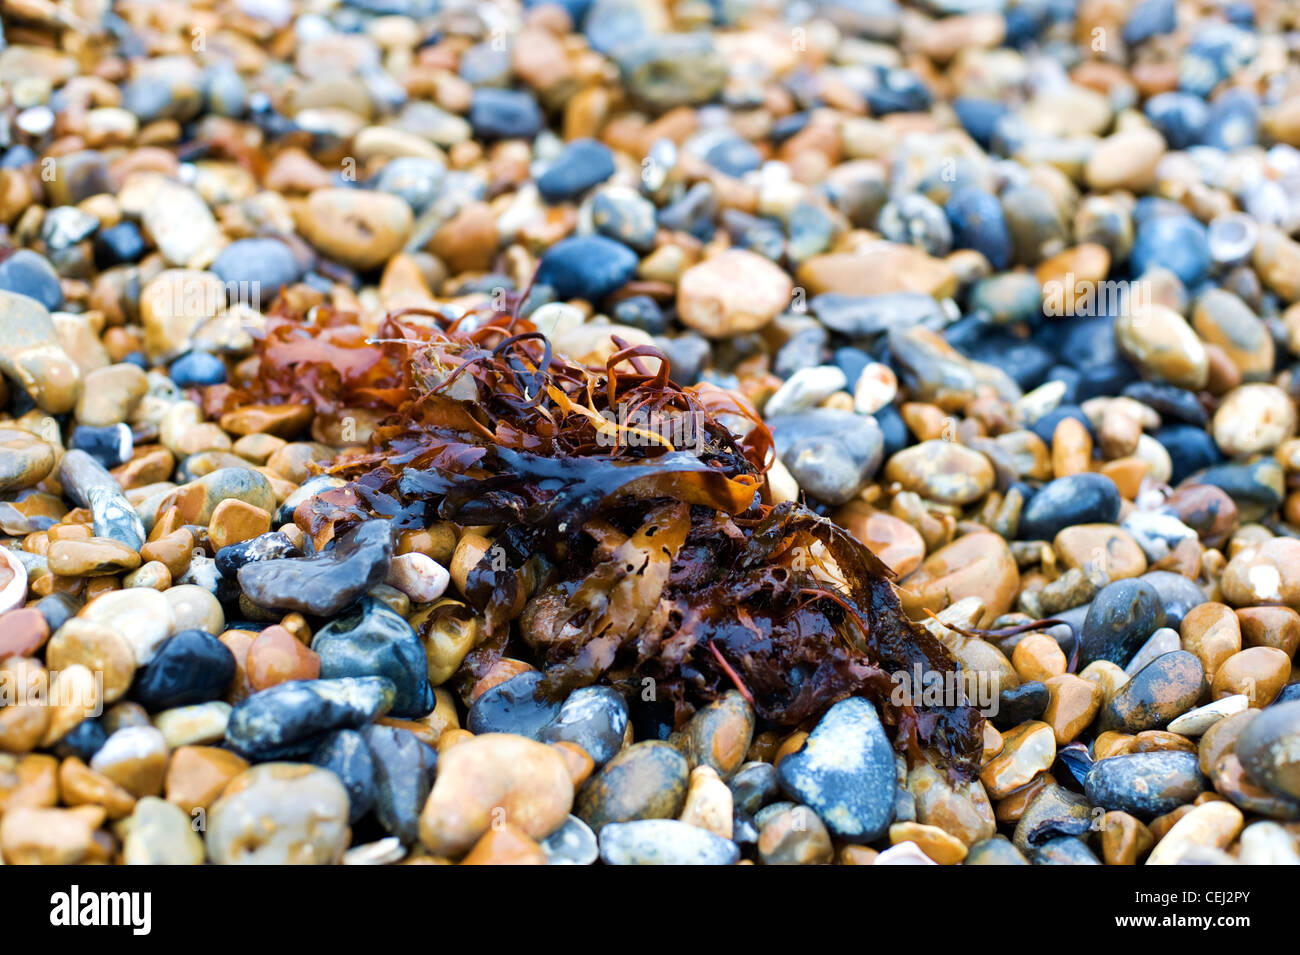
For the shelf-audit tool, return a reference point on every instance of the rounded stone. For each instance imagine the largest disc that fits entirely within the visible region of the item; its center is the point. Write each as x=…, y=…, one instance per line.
x=279, y=814
x=497, y=775
x=732, y=293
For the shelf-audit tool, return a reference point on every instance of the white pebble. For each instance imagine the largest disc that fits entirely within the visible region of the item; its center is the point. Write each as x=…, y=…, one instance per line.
x=418, y=576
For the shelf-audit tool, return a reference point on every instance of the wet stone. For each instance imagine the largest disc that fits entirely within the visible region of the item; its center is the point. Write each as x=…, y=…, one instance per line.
x=645, y=781
x=572, y=844
x=719, y=735
x=279, y=813
x=292, y=718
x=1268, y=750
x=1145, y=784
x=1078, y=499
x=845, y=771
x=594, y=718
x=664, y=842
x=326, y=583
x=1054, y=812
x=1028, y=701
x=374, y=641
x=404, y=771
x=1121, y=618
x=347, y=755
x=1164, y=690
x=189, y=667
x=514, y=706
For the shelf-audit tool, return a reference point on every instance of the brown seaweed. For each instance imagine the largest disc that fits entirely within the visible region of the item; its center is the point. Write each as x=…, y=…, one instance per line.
x=634, y=538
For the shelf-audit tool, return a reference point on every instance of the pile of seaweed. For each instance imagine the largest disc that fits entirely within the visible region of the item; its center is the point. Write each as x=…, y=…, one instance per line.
x=634, y=536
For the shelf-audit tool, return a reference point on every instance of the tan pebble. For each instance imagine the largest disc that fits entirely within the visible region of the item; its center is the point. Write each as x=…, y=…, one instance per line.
x=1258, y=672
x=1124, y=839
x=1028, y=749
x=1212, y=824
x=506, y=845
x=943, y=848
x=1073, y=703
x=1213, y=633
x=1038, y=657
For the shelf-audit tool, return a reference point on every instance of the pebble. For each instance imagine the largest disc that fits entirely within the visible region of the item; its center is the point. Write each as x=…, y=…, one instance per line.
x=830, y=453
x=513, y=706
x=279, y=814
x=572, y=844
x=1267, y=749
x=594, y=717
x=358, y=228
x=1211, y=824
x=492, y=778
x=664, y=842
x=158, y=833
x=374, y=641
x=942, y=471
x=1077, y=499
x=1165, y=689
x=733, y=293
x=1145, y=784
x=326, y=583
x=191, y=666
x=844, y=772
x=647, y=780
x=1120, y=620
x=291, y=718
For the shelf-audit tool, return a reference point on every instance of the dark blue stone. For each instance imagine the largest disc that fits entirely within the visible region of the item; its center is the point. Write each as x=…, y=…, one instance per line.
x=513, y=707
x=196, y=369
x=504, y=114
x=190, y=667
x=978, y=223
x=1150, y=18
x=897, y=90
x=1020, y=704
x=1077, y=499
x=587, y=267
x=894, y=430
x=1120, y=620
x=29, y=273
x=265, y=264
x=1190, y=449
x=593, y=717
x=1045, y=426
x=851, y=361
x=734, y=156
x=1072, y=378
x=82, y=741
x=404, y=770
x=1025, y=362
x=845, y=772
x=643, y=312
x=1179, y=117
x=347, y=756
x=979, y=117
x=693, y=213
x=268, y=546
x=1145, y=784
x=1177, y=243
x=582, y=164
x=1173, y=403
x=110, y=445
x=374, y=640
x=292, y=719
x=1234, y=120
x=688, y=355
x=118, y=244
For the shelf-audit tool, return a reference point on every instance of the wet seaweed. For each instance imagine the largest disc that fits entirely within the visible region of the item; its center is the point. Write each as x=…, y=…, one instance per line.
x=634, y=536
